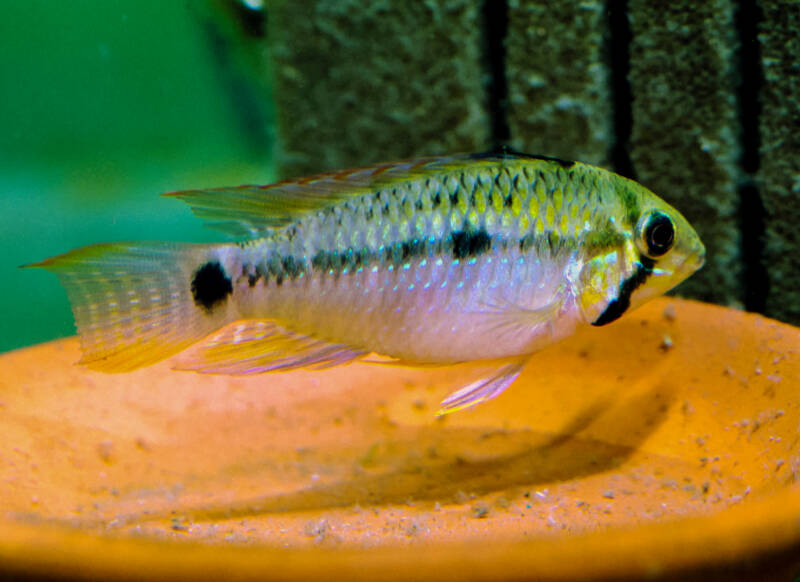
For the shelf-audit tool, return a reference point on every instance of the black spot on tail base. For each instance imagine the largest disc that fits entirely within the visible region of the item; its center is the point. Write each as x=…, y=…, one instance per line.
x=210, y=286
x=470, y=243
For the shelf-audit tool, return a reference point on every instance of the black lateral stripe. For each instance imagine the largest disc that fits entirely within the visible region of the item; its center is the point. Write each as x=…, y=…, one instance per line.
x=460, y=244
x=620, y=305
x=467, y=243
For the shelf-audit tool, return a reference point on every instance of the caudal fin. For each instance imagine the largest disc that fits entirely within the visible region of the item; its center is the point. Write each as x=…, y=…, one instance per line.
x=138, y=303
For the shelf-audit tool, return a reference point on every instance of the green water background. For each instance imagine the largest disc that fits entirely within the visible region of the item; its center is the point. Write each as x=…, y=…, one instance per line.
x=104, y=105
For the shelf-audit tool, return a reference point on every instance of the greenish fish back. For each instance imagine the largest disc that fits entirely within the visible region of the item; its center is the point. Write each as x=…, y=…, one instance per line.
x=457, y=207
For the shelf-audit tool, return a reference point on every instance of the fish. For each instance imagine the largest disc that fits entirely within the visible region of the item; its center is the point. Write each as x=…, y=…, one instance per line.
x=484, y=258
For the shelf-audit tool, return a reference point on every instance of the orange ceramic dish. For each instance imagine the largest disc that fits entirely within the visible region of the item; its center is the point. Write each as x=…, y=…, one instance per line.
x=662, y=445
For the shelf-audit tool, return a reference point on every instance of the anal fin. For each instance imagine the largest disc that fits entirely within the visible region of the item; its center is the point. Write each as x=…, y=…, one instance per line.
x=255, y=346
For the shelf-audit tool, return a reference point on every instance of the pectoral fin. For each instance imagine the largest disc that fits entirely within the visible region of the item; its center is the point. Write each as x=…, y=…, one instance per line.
x=509, y=319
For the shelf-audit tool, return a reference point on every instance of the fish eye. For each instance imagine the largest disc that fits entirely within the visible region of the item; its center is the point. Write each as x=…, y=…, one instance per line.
x=658, y=234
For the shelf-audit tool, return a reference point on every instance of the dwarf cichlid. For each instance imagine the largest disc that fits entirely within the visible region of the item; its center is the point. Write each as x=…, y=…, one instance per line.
x=432, y=261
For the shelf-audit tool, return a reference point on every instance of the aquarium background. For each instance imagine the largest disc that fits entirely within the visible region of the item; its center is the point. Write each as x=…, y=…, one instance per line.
x=106, y=104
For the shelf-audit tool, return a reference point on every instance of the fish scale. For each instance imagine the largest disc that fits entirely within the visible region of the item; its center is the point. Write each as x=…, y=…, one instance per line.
x=397, y=302
x=485, y=257
x=327, y=231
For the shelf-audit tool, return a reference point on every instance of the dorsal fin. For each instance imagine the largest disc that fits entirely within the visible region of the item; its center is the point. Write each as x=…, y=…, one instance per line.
x=255, y=210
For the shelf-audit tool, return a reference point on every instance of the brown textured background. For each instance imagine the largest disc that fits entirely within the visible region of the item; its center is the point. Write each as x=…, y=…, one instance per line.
x=562, y=111
x=696, y=100
x=684, y=137
x=779, y=172
x=357, y=82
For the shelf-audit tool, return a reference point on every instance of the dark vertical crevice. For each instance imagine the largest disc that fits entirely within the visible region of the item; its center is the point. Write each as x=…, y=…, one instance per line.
x=751, y=208
x=495, y=28
x=751, y=225
x=748, y=16
x=619, y=41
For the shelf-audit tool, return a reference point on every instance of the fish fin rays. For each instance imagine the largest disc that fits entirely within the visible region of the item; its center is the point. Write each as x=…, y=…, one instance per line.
x=483, y=389
x=255, y=346
x=253, y=210
x=506, y=317
x=131, y=305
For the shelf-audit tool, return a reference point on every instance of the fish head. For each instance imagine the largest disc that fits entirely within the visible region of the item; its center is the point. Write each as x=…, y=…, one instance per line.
x=657, y=249
x=669, y=248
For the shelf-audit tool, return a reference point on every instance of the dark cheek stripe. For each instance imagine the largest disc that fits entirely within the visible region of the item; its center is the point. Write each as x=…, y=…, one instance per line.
x=620, y=305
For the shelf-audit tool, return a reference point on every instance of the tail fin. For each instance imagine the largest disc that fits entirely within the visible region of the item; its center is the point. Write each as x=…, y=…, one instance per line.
x=138, y=303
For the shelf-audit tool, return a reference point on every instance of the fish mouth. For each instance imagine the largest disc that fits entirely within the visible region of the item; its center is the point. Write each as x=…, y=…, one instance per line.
x=694, y=261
